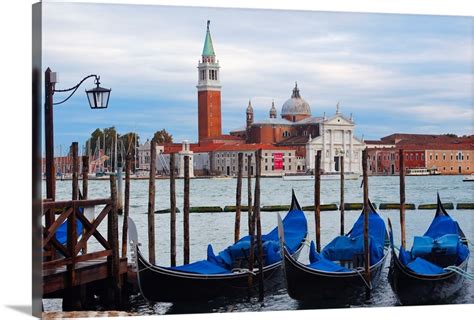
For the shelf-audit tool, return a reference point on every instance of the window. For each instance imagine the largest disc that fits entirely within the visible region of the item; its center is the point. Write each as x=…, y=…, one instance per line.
x=233, y=168
x=451, y=157
x=436, y=156
x=245, y=168
x=289, y=160
x=266, y=168
x=273, y=168
x=266, y=160
x=283, y=167
x=289, y=154
x=289, y=167
x=451, y=168
x=431, y=157
x=444, y=156
x=416, y=156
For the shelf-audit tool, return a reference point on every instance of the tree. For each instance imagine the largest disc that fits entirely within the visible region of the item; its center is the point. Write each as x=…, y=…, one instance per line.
x=163, y=137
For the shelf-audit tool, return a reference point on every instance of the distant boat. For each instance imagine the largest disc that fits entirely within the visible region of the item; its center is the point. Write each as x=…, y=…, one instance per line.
x=324, y=176
x=469, y=178
x=434, y=269
x=422, y=172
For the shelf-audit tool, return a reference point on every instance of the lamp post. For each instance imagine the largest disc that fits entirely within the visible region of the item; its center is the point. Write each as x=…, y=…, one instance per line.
x=98, y=99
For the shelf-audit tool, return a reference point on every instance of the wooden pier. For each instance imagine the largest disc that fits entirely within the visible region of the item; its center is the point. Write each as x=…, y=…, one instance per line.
x=71, y=270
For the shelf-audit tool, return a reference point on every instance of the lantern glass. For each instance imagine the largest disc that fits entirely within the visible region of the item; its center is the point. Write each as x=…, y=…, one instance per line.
x=98, y=97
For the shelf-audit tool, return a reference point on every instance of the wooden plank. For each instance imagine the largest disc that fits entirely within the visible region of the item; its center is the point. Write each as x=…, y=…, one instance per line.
x=56, y=224
x=92, y=229
x=87, y=272
x=55, y=245
x=67, y=261
x=78, y=203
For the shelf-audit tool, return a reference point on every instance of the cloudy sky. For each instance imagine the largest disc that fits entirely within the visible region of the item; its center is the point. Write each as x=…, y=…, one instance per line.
x=395, y=73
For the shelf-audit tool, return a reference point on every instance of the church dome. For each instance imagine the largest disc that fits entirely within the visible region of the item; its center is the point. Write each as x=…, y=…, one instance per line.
x=295, y=105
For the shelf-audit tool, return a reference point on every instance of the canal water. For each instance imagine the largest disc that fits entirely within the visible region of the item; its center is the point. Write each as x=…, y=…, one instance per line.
x=217, y=228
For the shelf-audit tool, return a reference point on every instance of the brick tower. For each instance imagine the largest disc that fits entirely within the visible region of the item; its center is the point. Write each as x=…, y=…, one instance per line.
x=209, y=92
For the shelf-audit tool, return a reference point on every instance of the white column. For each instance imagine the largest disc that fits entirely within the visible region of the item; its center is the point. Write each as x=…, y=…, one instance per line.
x=331, y=152
x=323, y=150
x=344, y=147
x=351, y=152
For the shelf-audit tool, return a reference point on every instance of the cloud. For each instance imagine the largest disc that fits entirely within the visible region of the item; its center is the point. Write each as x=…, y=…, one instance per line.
x=395, y=66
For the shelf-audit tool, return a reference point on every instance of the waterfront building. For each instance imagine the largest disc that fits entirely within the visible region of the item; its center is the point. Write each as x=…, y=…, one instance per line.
x=335, y=139
x=441, y=154
x=144, y=153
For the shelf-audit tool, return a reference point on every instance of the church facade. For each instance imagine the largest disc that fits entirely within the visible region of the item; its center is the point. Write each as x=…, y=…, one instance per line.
x=289, y=140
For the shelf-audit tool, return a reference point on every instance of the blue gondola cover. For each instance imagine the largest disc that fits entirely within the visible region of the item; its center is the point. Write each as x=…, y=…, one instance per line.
x=295, y=226
x=349, y=246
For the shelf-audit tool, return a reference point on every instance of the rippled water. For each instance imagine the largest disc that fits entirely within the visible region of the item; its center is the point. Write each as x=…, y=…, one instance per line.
x=217, y=228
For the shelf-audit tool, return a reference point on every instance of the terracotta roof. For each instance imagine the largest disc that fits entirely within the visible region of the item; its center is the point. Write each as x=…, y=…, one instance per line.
x=210, y=147
x=296, y=140
x=377, y=142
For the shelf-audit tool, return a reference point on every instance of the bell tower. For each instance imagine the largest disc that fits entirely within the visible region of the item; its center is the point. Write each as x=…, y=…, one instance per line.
x=209, y=92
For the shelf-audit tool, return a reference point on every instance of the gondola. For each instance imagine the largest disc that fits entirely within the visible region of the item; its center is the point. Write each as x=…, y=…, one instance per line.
x=336, y=274
x=432, y=271
x=223, y=275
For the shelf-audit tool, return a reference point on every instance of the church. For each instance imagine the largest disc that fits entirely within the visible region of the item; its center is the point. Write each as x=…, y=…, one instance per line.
x=295, y=133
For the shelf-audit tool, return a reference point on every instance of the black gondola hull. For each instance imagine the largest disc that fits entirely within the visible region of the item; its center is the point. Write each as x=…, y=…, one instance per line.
x=164, y=285
x=415, y=289
x=306, y=284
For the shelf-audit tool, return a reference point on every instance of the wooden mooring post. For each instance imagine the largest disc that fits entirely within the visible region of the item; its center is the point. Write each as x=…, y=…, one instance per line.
x=126, y=204
x=113, y=260
x=238, y=197
x=85, y=188
x=366, y=223
x=258, y=160
x=251, y=225
x=151, y=203
x=186, y=211
x=317, y=199
x=172, y=210
x=71, y=299
x=85, y=177
x=401, y=159
x=341, y=205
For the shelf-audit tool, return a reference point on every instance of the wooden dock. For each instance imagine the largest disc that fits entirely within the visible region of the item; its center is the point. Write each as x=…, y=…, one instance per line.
x=72, y=271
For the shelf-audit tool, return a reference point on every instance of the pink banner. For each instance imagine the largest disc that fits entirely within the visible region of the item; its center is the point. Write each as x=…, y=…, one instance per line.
x=278, y=161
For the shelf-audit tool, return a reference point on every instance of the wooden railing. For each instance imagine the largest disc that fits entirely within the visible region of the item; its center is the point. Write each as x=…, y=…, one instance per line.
x=72, y=213
x=68, y=254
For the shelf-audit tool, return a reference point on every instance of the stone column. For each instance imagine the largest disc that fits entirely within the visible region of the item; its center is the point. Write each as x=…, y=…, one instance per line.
x=351, y=152
x=331, y=152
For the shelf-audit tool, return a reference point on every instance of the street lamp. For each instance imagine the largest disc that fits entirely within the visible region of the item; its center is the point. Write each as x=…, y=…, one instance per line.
x=98, y=99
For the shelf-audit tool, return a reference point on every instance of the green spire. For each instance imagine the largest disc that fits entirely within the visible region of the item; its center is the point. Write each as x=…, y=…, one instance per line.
x=208, y=50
